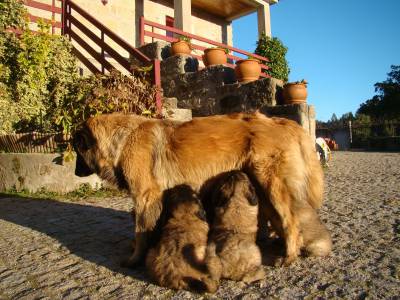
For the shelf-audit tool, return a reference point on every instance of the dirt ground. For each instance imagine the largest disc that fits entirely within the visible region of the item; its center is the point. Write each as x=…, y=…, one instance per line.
x=72, y=249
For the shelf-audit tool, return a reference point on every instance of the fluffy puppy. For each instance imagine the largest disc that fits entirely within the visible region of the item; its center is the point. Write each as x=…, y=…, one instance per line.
x=179, y=259
x=234, y=229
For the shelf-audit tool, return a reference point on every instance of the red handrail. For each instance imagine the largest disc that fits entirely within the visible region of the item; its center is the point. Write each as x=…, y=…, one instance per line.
x=152, y=34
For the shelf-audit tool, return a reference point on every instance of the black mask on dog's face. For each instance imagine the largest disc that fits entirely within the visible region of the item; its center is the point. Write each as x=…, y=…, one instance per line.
x=81, y=144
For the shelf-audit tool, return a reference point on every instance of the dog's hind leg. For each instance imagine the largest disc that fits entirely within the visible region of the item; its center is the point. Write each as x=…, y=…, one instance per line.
x=287, y=224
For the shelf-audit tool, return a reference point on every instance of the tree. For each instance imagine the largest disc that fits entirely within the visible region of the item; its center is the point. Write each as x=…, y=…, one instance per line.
x=386, y=104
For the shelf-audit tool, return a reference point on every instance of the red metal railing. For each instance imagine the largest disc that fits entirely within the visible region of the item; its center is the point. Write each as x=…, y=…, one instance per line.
x=144, y=24
x=73, y=18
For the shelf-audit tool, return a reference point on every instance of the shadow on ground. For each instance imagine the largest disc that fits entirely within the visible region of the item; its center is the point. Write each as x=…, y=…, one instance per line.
x=96, y=234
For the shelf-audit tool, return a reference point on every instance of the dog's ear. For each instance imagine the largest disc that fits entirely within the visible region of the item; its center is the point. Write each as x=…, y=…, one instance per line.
x=224, y=192
x=82, y=140
x=252, y=196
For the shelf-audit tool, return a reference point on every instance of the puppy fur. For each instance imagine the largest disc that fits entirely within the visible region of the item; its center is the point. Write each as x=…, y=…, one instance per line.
x=149, y=156
x=179, y=259
x=234, y=229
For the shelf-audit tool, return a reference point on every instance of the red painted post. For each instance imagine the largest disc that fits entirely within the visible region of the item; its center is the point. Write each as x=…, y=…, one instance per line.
x=157, y=83
x=141, y=28
x=62, y=16
x=53, y=16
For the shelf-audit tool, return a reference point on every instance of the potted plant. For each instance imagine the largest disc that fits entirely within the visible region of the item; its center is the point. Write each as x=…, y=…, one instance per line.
x=182, y=46
x=248, y=70
x=295, y=92
x=215, y=56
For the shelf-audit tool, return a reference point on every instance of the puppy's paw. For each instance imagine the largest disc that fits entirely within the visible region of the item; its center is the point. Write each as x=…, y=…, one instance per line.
x=287, y=261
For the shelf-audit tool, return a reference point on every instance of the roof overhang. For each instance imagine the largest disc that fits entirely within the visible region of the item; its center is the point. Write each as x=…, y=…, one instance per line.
x=230, y=9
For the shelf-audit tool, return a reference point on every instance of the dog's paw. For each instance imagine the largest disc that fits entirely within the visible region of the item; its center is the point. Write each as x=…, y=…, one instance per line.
x=130, y=263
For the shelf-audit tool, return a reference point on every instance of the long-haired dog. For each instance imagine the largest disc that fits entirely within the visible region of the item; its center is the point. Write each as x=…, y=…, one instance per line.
x=178, y=259
x=233, y=228
x=149, y=156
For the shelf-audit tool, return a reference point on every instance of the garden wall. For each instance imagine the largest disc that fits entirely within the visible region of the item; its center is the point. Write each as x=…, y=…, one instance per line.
x=35, y=171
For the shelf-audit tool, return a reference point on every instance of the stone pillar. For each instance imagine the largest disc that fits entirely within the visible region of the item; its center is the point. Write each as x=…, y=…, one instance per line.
x=264, y=20
x=227, y=35
x=183, y=14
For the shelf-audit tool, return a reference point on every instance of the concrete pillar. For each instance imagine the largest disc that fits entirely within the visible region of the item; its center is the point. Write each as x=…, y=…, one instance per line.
x=227, y=35
x=264, y=20
x=183, y=14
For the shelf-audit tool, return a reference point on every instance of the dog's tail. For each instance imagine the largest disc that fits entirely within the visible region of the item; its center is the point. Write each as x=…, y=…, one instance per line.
x=314, y=174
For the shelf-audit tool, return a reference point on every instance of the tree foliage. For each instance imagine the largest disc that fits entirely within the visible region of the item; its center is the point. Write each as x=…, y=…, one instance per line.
x=275, y=51
x=386, y=104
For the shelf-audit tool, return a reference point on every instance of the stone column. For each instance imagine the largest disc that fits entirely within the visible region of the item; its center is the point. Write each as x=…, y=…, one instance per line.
x=183, y=14
x=264, y=20
x=227, y=36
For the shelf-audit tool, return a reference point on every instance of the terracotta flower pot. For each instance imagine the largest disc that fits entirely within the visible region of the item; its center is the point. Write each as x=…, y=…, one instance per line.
x=214, y=56
x=181, y=47
x=295, y=92
x=247, y=70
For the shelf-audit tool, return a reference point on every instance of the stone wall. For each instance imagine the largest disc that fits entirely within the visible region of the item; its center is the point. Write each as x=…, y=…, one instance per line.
x=214, y=90
x=303, y=114
x=34, y=171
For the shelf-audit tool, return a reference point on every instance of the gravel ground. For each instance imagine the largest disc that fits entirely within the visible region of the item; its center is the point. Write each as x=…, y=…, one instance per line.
x=64, y=249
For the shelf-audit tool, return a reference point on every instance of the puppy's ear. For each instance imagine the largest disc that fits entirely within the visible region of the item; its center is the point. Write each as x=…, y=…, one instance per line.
x=252, y=196
x=224, y=192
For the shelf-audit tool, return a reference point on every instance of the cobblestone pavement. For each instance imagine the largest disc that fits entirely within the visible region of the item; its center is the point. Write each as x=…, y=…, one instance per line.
x=71, y=250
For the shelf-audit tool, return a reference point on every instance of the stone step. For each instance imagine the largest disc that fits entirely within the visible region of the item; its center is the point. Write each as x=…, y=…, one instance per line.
x=177, y=114
x=215, y=90
x=170, y=103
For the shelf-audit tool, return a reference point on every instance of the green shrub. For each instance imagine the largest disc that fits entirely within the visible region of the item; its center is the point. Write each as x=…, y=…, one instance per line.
x=12, y=14
x=40, y=89
x=275, y=51
x=100, y=94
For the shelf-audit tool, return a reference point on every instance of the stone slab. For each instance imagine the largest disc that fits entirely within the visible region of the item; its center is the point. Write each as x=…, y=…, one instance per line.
x=36, y=171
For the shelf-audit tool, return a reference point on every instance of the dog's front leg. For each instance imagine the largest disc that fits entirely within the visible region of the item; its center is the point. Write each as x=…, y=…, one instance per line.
x=148, y=210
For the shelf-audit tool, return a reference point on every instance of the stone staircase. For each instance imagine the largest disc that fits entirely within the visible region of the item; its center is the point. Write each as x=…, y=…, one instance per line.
x=215, y=90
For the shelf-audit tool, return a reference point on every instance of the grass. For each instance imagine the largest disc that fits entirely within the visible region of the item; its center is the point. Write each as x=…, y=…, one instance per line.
x=83, y=192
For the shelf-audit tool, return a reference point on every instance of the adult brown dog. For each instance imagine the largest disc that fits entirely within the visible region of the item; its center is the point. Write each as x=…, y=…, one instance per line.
x=148, y=156
x=234, y=229
x=179, y=259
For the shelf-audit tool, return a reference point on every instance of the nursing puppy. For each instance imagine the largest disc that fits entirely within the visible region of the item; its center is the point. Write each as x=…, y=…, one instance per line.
x=178, y=260
x=234, y=229
x=149, y=156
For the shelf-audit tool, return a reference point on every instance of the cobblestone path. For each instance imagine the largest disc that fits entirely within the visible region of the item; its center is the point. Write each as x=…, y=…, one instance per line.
x=71, y=250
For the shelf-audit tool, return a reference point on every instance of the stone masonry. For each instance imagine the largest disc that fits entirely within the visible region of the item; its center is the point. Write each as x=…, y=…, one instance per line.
x=215, y=90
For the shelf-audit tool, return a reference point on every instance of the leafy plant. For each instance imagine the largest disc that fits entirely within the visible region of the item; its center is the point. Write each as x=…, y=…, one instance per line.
x=37, y=73
x=100, y=94
x=184, y=38
x=13, y=14
x=275, y=51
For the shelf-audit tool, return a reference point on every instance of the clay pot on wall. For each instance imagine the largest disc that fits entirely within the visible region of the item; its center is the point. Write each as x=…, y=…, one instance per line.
x=247, y=70
x=295, y=92
x=181, y=47
x=215, y=56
